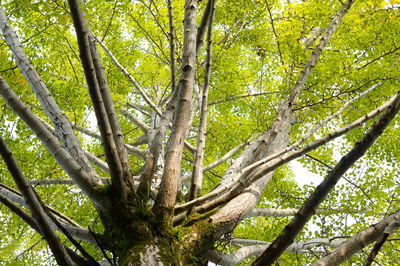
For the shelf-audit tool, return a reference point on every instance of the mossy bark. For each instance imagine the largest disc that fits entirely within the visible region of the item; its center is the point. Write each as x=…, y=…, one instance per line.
x=142, y=242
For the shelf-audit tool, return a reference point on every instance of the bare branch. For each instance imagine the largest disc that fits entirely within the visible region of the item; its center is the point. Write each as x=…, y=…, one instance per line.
x=125, y=183
x=45, y=182
x=271, y=164
x=99, y=163
x=135, y=120
x=205, y=20
x=387, y=226
x=219, y=161
x=35, y=207
x=32, y=223
x=288, y=235
x=378, y=245
x=99, y=94
x=313, y=130
x=93, y=159
x=73, y=228
x=258, y=247
x=130, y=77
x=270, y=212
x=53, y=111
x=201, y=138
x=88, y=184
x=172, y=44
x=170, y=180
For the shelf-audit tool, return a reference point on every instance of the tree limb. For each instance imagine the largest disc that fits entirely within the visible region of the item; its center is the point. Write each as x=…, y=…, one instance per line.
x=35, y=207
x=131, y=149
x=271, y=164
x=201, y=136
x=88, y=183
x=130, y=77
x=288, y=235
x=361, y=240
x=219, y=161
x=95, y=80
x=270, y=212
x=32, y=223
x=170, y=181
x=53, y=111
x=73, y=228
x=258, y=247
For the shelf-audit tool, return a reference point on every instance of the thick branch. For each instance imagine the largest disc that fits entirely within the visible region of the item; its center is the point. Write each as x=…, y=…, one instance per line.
x=267, y=164
x=73, y=228
x=87, y=183
x=201, y=139
x=361, y=240
x=124, y=182
x=35, y=207
x=53, y=111
x=374, y=252
x=96, y=86
x=205, y=20
x=93, y=159
x=288, y=235
x=258, y=247
x=170, y=180
x=31, y=222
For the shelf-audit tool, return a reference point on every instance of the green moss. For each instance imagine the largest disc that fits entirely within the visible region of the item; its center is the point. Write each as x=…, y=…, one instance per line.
x=164, y=249
x=194, y=239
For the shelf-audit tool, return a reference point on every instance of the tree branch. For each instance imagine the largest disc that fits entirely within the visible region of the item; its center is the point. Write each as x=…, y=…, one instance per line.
x=288, y=235
x=269, y=165
x=221, y=160
x=32, y=223
x=145, y=128
x=97, y=91
x=35, y=207
x=60, y=121
x=270, y=212
x=258, y=247
x=201, y=136
x=378, y=245
x=124, y=182
x=205, y=20
x=361, y=240
x=88, y=183
x=73, y=228
x=131, y=149
x=130, y=77
x=93, y=159
x=170, y=180
x=172, y=45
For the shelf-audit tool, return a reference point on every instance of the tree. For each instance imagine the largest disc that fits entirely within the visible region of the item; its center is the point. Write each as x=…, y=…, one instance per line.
x=196, y=124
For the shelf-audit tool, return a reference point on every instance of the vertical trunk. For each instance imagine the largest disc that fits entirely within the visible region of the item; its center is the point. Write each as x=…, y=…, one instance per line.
x=170, y=181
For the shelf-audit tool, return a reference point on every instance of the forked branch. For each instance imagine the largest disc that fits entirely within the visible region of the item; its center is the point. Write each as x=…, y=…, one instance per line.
x=288, y=235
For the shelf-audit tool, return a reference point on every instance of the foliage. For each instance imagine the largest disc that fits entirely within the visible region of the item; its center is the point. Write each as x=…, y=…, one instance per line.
x=260, y=48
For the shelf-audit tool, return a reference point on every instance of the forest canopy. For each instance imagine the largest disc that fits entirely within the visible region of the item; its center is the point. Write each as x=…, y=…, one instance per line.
x=164, y=132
